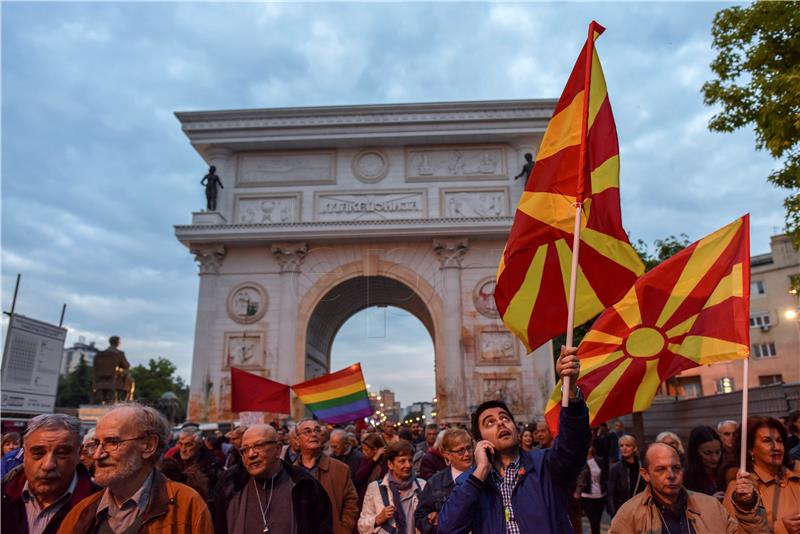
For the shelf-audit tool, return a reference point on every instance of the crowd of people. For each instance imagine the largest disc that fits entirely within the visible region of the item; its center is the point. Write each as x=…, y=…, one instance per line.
x=132, y=474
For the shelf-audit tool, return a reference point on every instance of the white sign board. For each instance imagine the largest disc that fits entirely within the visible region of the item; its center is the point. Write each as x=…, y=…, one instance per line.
x=31, y=364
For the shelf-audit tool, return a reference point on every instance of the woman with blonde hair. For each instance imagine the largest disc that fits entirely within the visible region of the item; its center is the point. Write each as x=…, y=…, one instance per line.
x=456, y=447
x=625, y=478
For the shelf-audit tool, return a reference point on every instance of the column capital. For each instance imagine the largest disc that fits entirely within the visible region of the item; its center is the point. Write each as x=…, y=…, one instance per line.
x=218, y=152
x=451, y=251
x=208, y=257
x=290, y=256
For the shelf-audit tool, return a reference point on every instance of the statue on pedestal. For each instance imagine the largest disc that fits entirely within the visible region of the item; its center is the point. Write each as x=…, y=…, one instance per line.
x=211, y=181
x=112, y=381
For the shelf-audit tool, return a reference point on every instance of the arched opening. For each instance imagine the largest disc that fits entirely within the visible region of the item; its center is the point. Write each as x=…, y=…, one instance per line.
x=345, y=300
x=397, y=357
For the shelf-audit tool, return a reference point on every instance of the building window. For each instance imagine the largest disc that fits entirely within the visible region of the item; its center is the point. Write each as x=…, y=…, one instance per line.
x=764, y=350
x=760, y=320
x=725, y=385
x=690, y=387
x=756, y=287
x=768, y=380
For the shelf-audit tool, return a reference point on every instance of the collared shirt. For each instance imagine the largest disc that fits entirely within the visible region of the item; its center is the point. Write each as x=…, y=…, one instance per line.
x=455, y=473
x=39, y=518
x=675, y=521
x=123, y=516
x=506, y=485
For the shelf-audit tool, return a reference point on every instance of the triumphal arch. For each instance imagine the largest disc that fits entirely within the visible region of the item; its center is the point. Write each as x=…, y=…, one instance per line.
x=326, y=211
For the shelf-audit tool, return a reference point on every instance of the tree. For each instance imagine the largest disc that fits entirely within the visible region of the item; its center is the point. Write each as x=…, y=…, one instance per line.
x=75, y=388
x=158, y=378
x=758, y=82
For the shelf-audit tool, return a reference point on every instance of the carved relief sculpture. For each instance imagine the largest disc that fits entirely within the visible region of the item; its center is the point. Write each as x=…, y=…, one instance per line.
x=496, y=347
x=244, y=349
x=483, y=298
x=505, y=388
x=481, y=162
x=290, y=256
x=289, y=167
x=450, y=251
x=209, y=258
x=371, y=165
x=267, y=210
x=475, y=203
x=247, y=303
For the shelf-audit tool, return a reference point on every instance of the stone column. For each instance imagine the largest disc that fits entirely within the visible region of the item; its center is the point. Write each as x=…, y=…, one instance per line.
x=219, y=157
x=450, y=376
x=290, y=257
x=205, y=365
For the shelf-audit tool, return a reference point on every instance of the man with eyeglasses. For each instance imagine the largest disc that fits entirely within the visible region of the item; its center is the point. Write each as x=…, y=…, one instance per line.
x=128, y=443
x=666, y=506
x=38, y=494
x=332, y=474
x=513, y=491
x=266, y=494
x=194, y=465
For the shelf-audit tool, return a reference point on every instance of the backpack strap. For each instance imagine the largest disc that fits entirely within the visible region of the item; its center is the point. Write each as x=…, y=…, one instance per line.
x=385, y=497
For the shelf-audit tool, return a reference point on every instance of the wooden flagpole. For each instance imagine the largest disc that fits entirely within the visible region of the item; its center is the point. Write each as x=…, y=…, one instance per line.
x=573, y=282
x=743, y=426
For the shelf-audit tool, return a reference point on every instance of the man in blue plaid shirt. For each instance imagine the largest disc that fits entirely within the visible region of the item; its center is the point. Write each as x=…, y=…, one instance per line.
x=511, y=491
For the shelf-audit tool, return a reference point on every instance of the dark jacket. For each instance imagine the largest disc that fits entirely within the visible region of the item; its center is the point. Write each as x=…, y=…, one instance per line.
x=310, y=503
x=584, y=484
x=432, y=463
x=14, y=520
x=200, y=474
x=353, y=460
x=619, y=489
x=433, y=497
x=540, y=498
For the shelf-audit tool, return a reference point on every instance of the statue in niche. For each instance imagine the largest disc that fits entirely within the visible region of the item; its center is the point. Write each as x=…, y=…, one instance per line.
x=527, y=169
x=211, y=181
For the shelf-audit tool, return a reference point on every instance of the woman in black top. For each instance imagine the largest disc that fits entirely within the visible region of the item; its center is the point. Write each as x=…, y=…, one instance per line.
x=625, y=478
x=703, y=462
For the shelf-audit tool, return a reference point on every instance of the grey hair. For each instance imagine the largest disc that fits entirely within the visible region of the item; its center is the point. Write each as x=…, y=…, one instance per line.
x=55, y=421
x=728, y=422
x=673, y=435
x=150, y=422
x=338, y=432
x=439, y=437
x=193, y=432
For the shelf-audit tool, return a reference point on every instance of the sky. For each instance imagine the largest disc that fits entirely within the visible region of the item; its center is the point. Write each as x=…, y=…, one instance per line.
x=96, y=171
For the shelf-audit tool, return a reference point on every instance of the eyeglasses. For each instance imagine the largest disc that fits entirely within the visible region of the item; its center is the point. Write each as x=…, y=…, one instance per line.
x=259, y=446
x=108, y=445
x=309, y=431
x=462, y=451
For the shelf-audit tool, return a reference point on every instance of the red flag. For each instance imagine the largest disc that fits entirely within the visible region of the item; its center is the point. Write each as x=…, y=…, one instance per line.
x=253, y=393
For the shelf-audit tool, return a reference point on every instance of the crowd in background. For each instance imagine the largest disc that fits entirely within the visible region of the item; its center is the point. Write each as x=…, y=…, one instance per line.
x=133, y=474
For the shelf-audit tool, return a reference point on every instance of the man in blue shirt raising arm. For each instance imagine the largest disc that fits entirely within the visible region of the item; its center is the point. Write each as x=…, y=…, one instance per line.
x=510, y=491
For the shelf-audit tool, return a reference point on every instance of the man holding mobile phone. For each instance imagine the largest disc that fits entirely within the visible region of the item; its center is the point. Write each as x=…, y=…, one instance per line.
x=511, y=491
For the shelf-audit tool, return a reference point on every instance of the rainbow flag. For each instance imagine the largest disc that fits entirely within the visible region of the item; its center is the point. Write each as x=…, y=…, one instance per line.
x=338, y=397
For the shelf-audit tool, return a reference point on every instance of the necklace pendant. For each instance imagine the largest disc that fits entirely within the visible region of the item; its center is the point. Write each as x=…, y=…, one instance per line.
x=266, y=529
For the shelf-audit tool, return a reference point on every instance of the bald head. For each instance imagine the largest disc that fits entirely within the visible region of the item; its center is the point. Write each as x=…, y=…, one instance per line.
x=662, y=469
x=660, y=452
x=261, y=451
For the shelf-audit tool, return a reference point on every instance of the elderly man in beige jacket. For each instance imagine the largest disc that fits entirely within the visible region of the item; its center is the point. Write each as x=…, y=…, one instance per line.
x=665, y=506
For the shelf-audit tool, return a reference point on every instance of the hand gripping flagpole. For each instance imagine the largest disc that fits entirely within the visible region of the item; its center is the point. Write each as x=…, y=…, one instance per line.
x=582, y=172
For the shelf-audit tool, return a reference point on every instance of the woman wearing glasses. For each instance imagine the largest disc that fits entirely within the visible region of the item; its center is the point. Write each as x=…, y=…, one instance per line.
x=457, y=451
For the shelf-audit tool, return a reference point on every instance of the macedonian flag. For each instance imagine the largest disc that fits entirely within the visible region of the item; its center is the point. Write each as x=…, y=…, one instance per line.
x=691, y=310
x=578, y=161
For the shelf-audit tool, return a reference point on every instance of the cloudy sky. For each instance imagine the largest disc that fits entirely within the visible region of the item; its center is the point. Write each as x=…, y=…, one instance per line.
x=96, y=171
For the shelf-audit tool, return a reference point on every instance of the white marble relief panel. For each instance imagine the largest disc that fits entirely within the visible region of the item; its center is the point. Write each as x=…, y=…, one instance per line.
x=285, y=168
x=456, y=163
x=244, y=349
x=496, y=347
x=504, y=387
x=253, y=209
x=475, y=203
x=347, y=206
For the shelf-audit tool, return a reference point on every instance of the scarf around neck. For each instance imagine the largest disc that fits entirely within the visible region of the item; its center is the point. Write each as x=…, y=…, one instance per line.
x=396, y=486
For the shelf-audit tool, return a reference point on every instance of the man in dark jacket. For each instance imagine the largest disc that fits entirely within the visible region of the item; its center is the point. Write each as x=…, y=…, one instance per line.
x=194, y=465
x=342, y=450
x=513, y=491
x=38, y=494
x=254, y=498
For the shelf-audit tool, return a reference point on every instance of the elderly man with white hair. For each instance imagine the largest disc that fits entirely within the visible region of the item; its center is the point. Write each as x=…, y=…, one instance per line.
x=128, y=443
x=343, y=450
x=267, y=494
x=38, y=494
x=194, y=465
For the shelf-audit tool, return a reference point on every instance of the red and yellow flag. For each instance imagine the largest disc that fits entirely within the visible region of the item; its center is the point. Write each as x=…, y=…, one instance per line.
x=691, y=310
x=578, y=161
